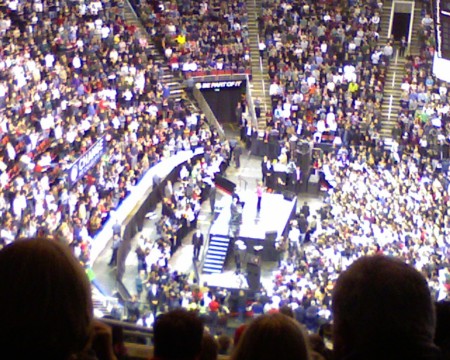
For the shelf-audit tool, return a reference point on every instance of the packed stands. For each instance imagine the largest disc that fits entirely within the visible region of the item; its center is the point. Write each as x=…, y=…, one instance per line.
x=77, y=87
x=327, y=69
x=200, y=37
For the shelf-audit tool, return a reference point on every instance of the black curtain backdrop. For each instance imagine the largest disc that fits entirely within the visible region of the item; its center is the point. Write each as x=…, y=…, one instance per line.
x=223, y=103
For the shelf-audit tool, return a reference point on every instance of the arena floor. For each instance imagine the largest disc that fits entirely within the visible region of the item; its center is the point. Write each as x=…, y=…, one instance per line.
x=246, y=178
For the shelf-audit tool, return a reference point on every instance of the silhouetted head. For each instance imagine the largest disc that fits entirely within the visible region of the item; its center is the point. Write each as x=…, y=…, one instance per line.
x=210, y=348
x=178, y=335
x=45, y=300
x=273, y=336
x=380, y=303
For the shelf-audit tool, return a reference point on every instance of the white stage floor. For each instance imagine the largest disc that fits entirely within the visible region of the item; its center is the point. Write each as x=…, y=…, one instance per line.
x=230, y=280
x=274, y=215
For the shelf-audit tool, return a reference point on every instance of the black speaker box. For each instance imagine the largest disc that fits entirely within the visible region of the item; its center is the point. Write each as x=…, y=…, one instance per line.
x=254, y=274
x=271, y=235
x=253, y=260
x=289, y=195
x=224, y=184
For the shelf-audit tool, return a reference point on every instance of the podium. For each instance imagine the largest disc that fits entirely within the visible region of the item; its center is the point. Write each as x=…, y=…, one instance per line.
x=254, y=272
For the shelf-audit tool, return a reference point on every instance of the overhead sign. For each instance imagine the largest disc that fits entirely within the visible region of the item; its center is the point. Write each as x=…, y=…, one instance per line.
x=219, y=84
x=86, y=161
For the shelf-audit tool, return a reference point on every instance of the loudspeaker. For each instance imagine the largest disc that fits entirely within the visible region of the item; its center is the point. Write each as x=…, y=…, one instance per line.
x=254, y=272
x=224, y=184
x=288, y=195
x=271, y=235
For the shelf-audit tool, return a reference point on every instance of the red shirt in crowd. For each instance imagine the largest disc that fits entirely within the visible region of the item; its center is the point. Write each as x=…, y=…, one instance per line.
x=214, y=306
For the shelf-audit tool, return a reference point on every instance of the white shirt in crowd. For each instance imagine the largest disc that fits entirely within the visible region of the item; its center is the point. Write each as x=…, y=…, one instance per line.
x=49, y=60
x=190, y=66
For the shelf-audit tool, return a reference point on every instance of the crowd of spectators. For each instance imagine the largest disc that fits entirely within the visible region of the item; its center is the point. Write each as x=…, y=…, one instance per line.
x=382, y=309
x=200, y=36
x=73, y=73
x=423, y=124
x=163, y=288
x=382, y=202
x=379, y=202
x=326, y=67
x=181, y=203
x=160, y=289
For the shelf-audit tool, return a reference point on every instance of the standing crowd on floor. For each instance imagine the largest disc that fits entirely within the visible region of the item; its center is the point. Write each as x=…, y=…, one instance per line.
x=380, y=200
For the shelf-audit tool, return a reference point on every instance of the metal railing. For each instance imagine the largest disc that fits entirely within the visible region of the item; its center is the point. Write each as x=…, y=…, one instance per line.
x=251, y=106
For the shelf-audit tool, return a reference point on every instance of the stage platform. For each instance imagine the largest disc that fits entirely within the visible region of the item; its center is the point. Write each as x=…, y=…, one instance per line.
x=230, y=280
x=257, y=229
x=273, y=217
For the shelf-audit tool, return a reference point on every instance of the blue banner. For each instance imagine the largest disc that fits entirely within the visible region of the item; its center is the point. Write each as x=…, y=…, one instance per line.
x=86, y=161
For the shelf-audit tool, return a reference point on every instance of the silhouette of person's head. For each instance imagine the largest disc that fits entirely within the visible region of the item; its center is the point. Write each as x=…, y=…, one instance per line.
x=382, y=305
x=272, y=336
x=210, y=348
x=177, y=335
x=45, y=300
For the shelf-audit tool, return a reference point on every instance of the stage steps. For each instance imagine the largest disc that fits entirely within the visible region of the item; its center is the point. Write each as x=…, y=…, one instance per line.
x=104, y=305
x=216, y=254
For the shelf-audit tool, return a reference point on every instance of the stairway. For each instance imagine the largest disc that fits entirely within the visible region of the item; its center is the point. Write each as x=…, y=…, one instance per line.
x=385, y=18
x=260, y=79
x=103, y=305
x=176, y=84
x=216, y=254
x=414, y=46
x=391, y=95
x=396, y=70
x=394, y=77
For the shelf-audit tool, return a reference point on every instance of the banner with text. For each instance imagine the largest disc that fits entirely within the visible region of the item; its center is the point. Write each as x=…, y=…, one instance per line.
x=223, y=97
x=86, y=161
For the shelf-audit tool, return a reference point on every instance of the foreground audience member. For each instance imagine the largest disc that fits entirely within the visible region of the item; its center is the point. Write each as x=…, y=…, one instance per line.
x=238, y=334
x=383, y=310
x=177, y=335
x=224, y=342
x=210, y=347
x=47, y=313
x=272, y=336
x=318, y=347
x=442, y=336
